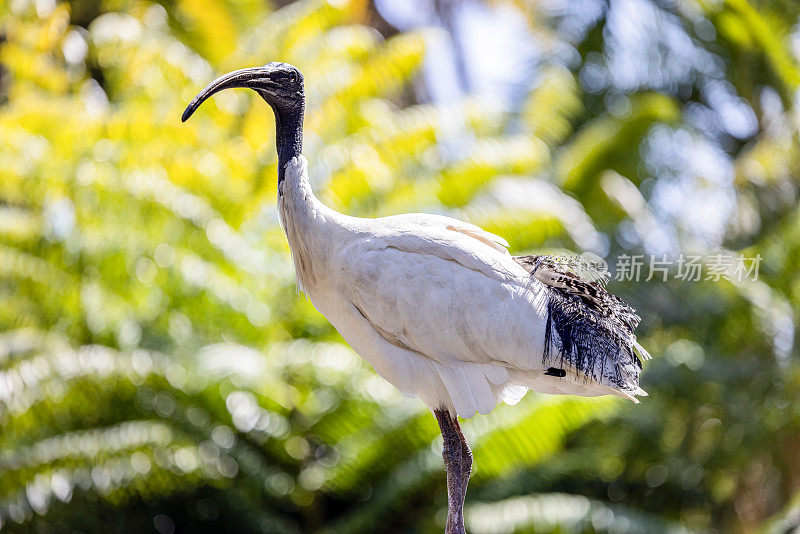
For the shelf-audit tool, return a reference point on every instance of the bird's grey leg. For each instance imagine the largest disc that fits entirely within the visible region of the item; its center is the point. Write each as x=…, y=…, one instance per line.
x=466, y=461
x=458, y=464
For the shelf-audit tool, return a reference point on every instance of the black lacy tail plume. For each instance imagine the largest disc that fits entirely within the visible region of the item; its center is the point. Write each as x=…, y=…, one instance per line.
x=595, y=328
x=548, y=335
x=587, y=342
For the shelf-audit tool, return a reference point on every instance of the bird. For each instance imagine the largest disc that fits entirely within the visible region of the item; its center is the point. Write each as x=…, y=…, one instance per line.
x=439, y=307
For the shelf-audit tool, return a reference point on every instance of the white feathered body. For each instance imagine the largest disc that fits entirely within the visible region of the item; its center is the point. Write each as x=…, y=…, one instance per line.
x=437, y=306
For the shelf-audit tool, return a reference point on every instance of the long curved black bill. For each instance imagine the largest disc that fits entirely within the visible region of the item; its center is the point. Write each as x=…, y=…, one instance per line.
x=238, y=78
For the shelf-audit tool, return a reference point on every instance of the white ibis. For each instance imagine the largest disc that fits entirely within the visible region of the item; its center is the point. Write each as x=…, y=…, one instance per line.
x=438, y=306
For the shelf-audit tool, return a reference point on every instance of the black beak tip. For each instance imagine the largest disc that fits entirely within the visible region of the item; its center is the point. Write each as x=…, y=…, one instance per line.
x=187, y=113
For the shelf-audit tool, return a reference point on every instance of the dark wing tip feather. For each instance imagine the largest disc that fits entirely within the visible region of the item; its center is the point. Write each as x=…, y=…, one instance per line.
x=594, y=327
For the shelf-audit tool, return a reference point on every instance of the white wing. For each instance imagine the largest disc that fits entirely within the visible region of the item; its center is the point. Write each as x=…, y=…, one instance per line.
x=439, y=222
x=460, y=301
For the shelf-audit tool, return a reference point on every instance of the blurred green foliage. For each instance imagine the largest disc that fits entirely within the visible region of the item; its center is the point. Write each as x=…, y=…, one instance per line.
x=157, y=367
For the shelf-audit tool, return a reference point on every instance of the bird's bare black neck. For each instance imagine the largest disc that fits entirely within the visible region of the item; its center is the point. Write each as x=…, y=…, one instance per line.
x=288, y=133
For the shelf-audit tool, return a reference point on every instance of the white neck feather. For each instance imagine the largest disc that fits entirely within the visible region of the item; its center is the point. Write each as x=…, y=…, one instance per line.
x=308, y=223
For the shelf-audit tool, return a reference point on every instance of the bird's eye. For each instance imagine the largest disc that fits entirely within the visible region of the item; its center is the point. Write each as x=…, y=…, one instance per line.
x=292, y=77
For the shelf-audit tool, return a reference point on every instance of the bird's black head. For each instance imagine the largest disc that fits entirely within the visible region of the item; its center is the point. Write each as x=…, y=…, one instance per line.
x=281, y=86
